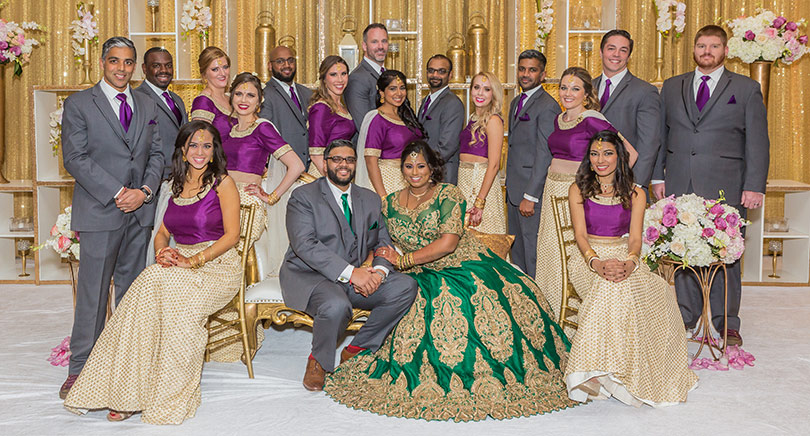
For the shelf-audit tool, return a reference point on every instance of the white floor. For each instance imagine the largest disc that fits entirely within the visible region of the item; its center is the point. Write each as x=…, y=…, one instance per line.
x=768, y=399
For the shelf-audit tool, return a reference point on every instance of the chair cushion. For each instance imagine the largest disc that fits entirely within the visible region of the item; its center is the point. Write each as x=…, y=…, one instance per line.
x=266, y=291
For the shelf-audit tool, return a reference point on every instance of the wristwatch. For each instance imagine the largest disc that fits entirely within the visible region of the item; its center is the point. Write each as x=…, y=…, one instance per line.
x=147, y=193
x=382, y=274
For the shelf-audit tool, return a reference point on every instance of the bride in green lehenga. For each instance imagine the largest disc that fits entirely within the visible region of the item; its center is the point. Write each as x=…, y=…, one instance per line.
x=476, y=342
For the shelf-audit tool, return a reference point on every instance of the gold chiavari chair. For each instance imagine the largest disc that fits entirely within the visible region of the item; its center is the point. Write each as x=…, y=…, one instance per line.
x=566, y=241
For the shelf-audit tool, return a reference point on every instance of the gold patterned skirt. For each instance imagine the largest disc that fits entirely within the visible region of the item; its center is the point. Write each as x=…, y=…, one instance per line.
x=549, y=266
x=313, y=171
x=470, y=178
x=149, y=357
x=391, y=175
x=630, y=343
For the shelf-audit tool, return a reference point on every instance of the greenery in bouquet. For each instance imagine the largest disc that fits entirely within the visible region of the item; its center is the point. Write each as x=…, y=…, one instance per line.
x=692, y=230
x=63, y=240
x=15, y=45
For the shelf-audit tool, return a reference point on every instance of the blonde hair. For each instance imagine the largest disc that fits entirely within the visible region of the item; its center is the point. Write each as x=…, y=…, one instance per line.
x=591, y=102
x=494, y=108
x=209, y=55
x=322, y=94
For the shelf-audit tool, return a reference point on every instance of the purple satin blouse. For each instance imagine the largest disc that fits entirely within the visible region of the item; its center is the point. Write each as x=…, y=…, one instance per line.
x=248, y=151
x=205, y=108
x=326, y=126
x=197, y=222
x=606, y=220
x=572, y=144
x=478, y=148
x=389, y=138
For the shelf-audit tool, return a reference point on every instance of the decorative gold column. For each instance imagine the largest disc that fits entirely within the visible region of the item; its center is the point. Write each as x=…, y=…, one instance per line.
x=477, y=41
x=265, y=40
x=2, y=121
x=761, y=72
x=659, y=58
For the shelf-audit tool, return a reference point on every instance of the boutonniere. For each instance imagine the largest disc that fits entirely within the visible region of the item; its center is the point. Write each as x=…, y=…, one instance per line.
x=732, y=100
x=373, y=226
x=152, y=122
x=524, y=117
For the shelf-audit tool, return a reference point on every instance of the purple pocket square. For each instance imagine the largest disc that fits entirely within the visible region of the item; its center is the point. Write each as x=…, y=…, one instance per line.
x=524, y=117
x=732, y=100
x=427, y=118
x=152, y=122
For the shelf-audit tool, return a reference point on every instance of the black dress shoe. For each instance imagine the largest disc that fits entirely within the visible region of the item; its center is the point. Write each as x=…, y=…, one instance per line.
x=733, y=338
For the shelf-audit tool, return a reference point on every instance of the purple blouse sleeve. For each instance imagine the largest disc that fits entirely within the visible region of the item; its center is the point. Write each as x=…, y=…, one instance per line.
x=319, y=127
x=596, y=125
x=271, y=140
x=202, y=107
x=375, y=136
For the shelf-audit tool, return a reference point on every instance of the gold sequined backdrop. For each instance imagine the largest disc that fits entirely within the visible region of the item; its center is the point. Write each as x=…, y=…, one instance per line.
x=53, y=64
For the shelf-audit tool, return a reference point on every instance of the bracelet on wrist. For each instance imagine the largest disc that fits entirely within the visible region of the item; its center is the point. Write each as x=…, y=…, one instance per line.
x=479, y=203
x=273, y=198
x=589, y=262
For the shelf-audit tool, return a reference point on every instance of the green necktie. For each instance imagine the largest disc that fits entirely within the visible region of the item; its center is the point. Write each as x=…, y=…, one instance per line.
x=347, y=212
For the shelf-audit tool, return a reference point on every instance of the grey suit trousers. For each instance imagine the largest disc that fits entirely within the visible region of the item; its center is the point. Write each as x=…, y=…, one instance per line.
x=330, y=306
x=118, y=254
x=524, y=249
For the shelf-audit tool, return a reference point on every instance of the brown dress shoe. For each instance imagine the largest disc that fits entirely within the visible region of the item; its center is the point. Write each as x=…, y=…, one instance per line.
x=314, y=376
x=63, y=391
x=733, y=338
x=346, y=355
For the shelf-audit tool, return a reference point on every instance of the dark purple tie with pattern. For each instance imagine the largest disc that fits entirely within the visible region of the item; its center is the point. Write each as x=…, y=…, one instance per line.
x=124, y=112
x=172, y=106
x=703, y=93
x=605, y=95
x=425, y=106
x=520, y=104
x=294, y=97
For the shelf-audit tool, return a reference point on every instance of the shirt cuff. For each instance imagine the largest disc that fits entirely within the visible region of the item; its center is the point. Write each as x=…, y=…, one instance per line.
x=120, y=191
x=530, y=198
x=346, y=275
x=382, y=268
x=656, y=181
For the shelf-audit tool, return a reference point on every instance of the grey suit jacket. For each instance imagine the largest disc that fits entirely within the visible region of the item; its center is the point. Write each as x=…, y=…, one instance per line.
x=103, y=158
x=529, y=157
x=361, y=92
x=443, y=122
x=634, y=109
x=724, y=147
x=291, y=123
x=322, y=243
x=167, y=123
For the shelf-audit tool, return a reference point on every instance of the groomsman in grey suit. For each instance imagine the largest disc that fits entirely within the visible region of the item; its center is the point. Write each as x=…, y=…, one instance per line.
x=361, y=91
x=111, y=146
x=158, y=70
x=334, y=227
x=531, y=121
x=442, y=115
x=714, y=137
x=632, y=105
x=286, y=102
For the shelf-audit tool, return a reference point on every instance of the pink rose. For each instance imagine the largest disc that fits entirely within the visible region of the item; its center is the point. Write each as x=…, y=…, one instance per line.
x=652, y=234
x=723, y=252
x=732, y=232
x=770, y=32
x=670, y=209
x=733, y=219
x=77, y=236
x=3, y=45
x=749, y=35
x=16, y=50
x=669, y=220
x=63, y=243
x=708, y=232
x=791, y=26
x=717, y=209
x=54, y=230
x=720, y=223
x=780, y=21
x=803, y=39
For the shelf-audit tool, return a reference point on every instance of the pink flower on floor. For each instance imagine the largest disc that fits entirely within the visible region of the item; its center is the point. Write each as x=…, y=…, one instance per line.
x=60, y=354
x=735, y=358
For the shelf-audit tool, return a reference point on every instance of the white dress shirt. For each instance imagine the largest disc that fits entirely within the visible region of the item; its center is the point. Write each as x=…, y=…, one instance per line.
x=159, y=93
x=288, y=90
x=433, y=97
x=614, y=82
x=529, y=94
x=377, y=67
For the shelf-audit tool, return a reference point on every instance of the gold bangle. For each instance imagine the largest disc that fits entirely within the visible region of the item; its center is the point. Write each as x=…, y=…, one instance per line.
x=479, y=203
x=590, y=253
x=589, y=261
x=273, y=198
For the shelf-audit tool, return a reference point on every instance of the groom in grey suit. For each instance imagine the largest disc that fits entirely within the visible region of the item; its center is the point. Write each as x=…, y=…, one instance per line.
x=111, y=146
x=531, y=121
x=632, y=105
x=714, y=138
x=361, y=90
x=442, y=115
x=286, y=102
x=334, y=227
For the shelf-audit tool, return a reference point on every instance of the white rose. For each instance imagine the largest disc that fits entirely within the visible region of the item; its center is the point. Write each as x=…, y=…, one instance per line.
x=678, y=247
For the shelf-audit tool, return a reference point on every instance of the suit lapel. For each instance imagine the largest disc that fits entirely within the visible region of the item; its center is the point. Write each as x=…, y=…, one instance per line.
x=688, y=95
x=294, y=109
x=359, y=219
x=107, y=111
x=369, y=68
x=529, y=101
x=139, y=119
x=512, y=106
x=341, y=219
x=615, y=94
x=180, y=105
x=161, y=103
x=433, y=104
x=722, y=83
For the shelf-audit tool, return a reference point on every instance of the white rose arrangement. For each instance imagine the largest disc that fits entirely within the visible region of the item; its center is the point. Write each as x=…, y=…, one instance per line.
x=196, y=17
x=670, y=14
x=545, y=21
x=766, y=37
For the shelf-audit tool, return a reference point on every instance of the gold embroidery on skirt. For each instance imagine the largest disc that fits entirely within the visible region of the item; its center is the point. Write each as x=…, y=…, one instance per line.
x=486, y=389
x=449, y=327
x=491, y=321
x=526, y=313
x=410, y=332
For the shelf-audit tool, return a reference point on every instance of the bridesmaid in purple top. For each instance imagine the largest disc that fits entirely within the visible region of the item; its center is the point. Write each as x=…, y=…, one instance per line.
x=212, y=104
x=630, y=342
x=149, y=357
x=568, y=144
x=480, y=158
x=384, y=134
x=328, y=117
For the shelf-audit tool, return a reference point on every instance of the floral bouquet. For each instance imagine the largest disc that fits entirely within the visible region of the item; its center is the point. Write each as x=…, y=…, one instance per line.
x=15, y=46
x=85, y=28
x=55, y=132
x=666, y=9
x=766, y=37
x=196, y=16
x=544, y=20
x=63, y=240
x=692, y=230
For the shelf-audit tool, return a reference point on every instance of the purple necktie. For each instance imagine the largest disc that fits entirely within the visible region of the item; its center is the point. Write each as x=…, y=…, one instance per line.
x=124, y=112
x=703, y=93
x=520, y=104
x=425, y=106
x=173, y=106
x=294, y=97
x=606, y=94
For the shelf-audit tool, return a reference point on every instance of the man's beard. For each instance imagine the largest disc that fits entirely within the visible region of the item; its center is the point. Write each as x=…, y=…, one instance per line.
x=280, y=76
x=332, y=175
x=714, y=64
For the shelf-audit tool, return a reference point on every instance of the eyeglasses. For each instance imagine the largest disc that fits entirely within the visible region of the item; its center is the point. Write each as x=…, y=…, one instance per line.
x=280, y=61
x=441, y=71
x=351, y=160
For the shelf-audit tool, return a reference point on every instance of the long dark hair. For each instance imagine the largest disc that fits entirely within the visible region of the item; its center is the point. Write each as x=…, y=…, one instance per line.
x=623, y=186
x=434, y=161
x=405, y=112
x=216, y=168
x=246, y=78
